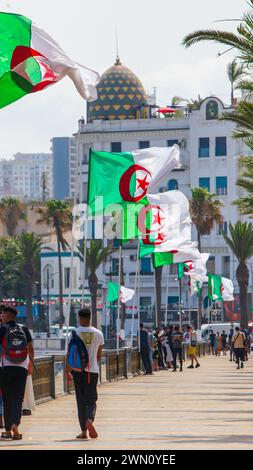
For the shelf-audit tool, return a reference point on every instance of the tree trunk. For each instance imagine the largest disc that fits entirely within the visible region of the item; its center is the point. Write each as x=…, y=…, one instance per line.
x=93, y=286
x=29, y=301
x=123, y=306
x=200, y=299
x=158, y=282
x=242, y=275
x=232, y=95
x=61, y=316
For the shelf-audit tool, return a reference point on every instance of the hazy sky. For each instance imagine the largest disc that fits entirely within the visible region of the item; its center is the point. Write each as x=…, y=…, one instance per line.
x=150, y=34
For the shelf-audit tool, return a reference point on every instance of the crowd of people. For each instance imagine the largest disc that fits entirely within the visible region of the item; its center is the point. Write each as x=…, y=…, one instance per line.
x=163, y=348
x=237, y=343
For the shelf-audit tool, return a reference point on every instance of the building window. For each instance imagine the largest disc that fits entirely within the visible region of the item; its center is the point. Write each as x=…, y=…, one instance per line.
x=116, y=147
x=221, y=147
x=172, y=142
x=221, y=185
x=212, y=110
x=222, y=228
x=172, y=185
x=146, y=265
x=204, y=183
x=211, y=265
x=144, y=144
x=115, y=266
x=173, y=270
x=204, y=147
x=67, y=278
x=226, y=266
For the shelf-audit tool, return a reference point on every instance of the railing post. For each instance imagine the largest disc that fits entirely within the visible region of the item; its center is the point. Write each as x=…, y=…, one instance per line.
x=52, y=379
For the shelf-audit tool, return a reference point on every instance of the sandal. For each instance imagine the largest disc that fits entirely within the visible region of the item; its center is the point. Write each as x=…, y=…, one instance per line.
x=17, y=437
x=82, y=436
x=6, y=435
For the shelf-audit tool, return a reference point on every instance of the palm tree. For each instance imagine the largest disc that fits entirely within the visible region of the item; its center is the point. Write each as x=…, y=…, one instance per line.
x=96, y=254
x=11, y=212
x=205, y=213
x=10, y=275
x=245, y=202
x=235, y=72
x=59, y=215
x=29, y=248
x=242, y=43
x=240, y=242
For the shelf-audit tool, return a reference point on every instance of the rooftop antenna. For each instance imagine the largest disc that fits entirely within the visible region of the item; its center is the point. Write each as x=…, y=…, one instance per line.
x=117, y=48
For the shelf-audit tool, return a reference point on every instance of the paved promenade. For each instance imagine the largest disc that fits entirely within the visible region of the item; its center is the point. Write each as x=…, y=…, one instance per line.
x=206, y=408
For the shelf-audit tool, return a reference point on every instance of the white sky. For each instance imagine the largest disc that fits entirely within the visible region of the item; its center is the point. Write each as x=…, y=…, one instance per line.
x=150, y=35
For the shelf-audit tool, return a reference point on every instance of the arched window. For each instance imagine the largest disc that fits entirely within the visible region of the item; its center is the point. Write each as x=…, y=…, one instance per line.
x=212, y=110
x=48, y=276
x=172, y=185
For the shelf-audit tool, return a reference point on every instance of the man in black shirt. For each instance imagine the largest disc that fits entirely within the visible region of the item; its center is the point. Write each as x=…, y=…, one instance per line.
x=177, y=340
x=145, y=350
x=16, y=364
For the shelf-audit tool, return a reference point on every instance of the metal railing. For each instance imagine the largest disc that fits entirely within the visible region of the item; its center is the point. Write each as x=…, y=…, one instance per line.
x=49, y=381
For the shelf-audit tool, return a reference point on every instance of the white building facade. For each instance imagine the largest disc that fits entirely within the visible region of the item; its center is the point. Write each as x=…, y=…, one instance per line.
x=27, y=176
x=209, y=157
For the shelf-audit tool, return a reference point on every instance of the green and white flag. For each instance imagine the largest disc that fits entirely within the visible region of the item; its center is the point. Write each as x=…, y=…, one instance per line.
x=184, y=268
x=120, y=178
x=165, y=224
x=115, y=291
x=30, y=60
x=195, y=287
x=220, y=288
x=185, y=253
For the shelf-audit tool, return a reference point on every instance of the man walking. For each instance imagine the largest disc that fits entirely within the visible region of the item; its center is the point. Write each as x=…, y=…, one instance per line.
x=192, y=351
x=145, y=350
x=17, y=359
x=212, y=339
x=86, y=381
x=177, y=339
x=239, y=343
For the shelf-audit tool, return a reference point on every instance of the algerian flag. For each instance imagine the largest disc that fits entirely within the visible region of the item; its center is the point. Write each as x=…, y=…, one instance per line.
x=128, y=177
x=195, y=287
x=115, y=291
x=185, y=253
x=184, y=268
x=164, y=224
x=199, y=269
x=220, y=288
x=30, y=60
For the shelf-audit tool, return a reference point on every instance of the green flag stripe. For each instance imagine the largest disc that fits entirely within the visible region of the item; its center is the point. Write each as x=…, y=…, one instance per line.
x=163, y=259
x=105, y=172
x=113, y=291
x=15, y=30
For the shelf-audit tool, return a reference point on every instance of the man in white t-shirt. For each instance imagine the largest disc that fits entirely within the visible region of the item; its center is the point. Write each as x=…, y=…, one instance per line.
x=86, y=381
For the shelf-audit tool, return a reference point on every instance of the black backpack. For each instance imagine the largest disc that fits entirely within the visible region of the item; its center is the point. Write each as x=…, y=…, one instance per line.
x=15, y=347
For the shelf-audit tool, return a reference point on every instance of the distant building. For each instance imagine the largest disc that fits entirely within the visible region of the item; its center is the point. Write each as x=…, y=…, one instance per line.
x=27, y=176
x=64, y=167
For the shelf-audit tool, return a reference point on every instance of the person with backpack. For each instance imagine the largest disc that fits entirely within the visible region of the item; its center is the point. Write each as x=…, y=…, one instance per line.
x=84, y=353
x=239, y=344
x=17, y=357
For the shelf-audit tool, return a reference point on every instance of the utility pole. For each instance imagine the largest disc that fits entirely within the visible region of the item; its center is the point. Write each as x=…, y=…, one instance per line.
x=44, y=186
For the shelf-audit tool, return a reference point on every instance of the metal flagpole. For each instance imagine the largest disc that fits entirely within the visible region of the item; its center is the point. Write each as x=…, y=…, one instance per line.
x=135, y=288
x=167, y=294
x=156, y=311
x=180, y=303
x=118, y=310
x=84, y=257
x=138, y=305
x=72, y=244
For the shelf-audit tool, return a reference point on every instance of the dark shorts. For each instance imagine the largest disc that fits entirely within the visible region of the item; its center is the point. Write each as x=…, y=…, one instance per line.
x=239, y=354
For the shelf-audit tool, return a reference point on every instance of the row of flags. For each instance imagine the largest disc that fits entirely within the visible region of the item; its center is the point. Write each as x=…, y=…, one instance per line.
x=122, y=182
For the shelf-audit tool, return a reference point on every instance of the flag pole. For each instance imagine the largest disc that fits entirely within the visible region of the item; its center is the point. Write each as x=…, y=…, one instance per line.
x=77, y=173
x=138, y=305
x=167, y=293
x=135, y=289
x=84, y=257
x=180, y=303
x=118, y=309
x=156, y=311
